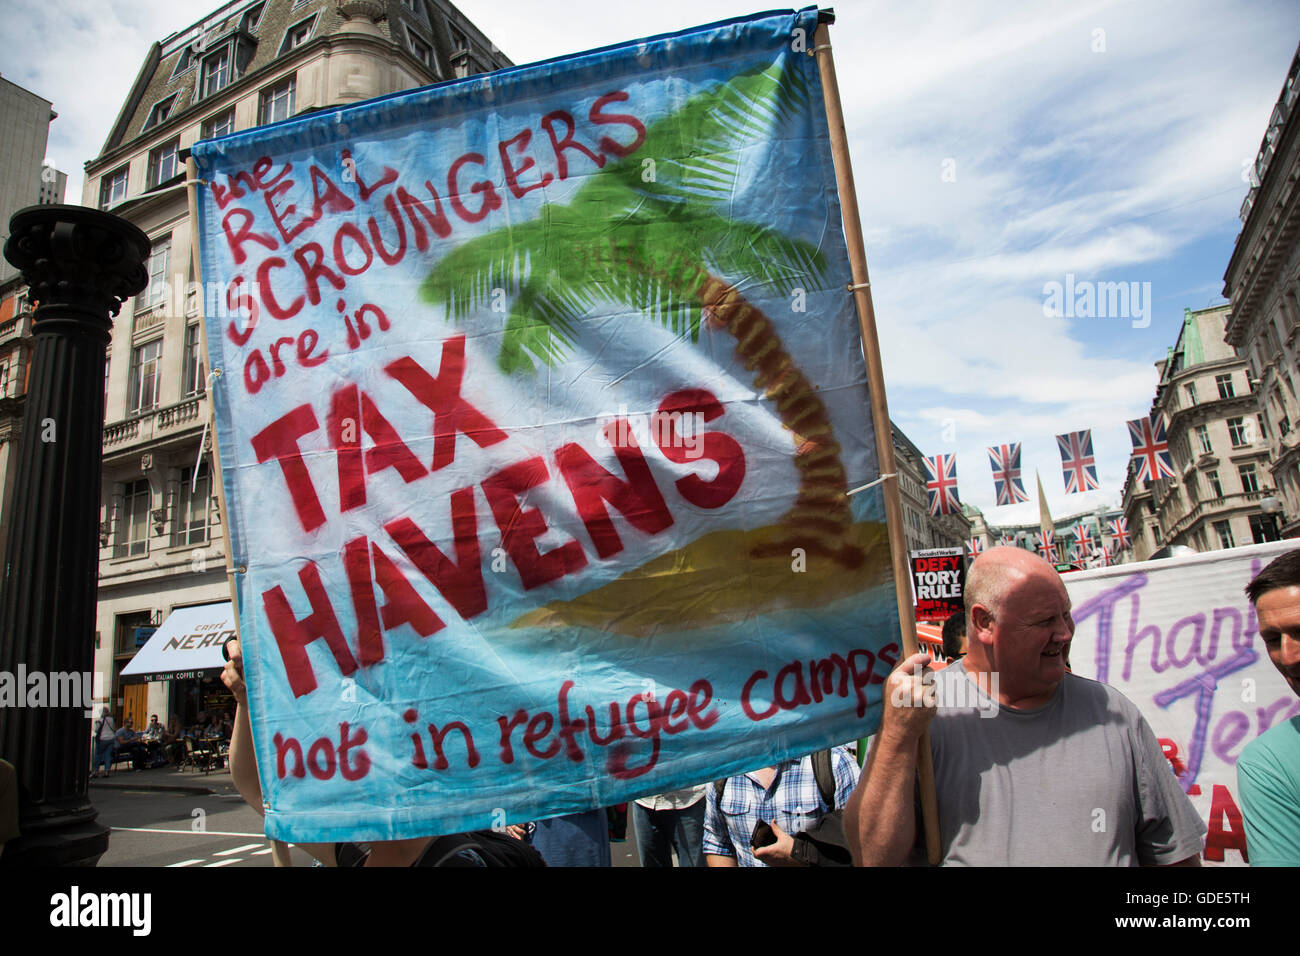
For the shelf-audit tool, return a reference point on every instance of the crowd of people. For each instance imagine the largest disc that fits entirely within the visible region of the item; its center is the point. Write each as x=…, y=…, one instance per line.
x=156, y=745
x=1033, y=765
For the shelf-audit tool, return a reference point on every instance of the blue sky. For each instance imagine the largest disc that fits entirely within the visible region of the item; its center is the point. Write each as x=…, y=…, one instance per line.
x=997, y=147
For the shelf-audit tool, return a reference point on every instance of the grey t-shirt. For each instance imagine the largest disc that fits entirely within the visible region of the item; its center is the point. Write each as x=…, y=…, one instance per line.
x=1080, y=781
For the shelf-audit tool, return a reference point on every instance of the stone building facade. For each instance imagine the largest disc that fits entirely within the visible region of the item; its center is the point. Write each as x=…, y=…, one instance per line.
x=248, y=63
x=1263, y=284
x=1218, y=440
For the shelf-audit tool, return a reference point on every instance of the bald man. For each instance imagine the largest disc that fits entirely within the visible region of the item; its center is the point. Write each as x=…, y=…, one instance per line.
x=1033, y=765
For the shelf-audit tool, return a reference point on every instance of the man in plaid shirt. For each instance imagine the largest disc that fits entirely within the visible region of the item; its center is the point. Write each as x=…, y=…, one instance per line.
x=785, y=796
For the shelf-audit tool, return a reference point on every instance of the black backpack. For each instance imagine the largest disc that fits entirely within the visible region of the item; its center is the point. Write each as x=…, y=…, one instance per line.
x=493, y=848
x=825, y=843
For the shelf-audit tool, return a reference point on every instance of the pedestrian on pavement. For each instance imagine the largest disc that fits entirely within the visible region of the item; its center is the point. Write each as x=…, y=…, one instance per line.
x=671, y=821
x=105, y=743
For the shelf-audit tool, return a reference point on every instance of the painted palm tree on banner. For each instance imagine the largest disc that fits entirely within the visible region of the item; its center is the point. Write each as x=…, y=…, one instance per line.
x=656, y=242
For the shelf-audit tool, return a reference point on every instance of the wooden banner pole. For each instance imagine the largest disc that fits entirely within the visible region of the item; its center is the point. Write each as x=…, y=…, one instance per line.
x=281, y=850
x=879, y=408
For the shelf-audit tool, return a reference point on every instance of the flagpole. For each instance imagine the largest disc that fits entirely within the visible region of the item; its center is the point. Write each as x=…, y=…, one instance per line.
x=280, y=851
x=879, y=407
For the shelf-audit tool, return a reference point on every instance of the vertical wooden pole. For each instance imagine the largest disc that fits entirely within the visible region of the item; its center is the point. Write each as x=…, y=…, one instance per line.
x=879, y=408
x=281, y=850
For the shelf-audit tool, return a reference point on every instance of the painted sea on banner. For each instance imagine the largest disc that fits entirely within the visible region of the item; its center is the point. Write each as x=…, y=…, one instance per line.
x=540, y=396
x=1179, y=638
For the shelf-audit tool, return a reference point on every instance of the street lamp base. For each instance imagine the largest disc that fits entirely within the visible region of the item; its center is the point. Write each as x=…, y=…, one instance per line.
x=62, y=836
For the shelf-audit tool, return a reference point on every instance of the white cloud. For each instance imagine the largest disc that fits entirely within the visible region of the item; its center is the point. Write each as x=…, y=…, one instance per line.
x=83, y=56
x=1066, y=160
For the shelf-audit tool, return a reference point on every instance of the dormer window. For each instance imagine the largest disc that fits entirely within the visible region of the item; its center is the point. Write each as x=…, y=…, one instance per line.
x=161, y=110
x=184, y=62
x=298, y=34
x=216, y=71
x=422, y=51
x=251, y=20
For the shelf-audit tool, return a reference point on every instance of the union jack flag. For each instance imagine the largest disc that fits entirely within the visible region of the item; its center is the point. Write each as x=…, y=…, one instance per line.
x=975, y=545
x=1083, y=534
x=1007, y=541
x=941, y=483
x=1005, y=460
x=1119, y=532
x=1151, y=448
x=1077, y=462
x=1107, y=559
x=1047, y=544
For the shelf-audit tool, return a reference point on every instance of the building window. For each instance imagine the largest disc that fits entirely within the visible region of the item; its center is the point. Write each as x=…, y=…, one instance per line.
x=1249, y=480
x=298, y=34
x=112, y=188
x=155, y=293
x=1203, y=436
x=1263, y=429
x=1224, y=531
x=190, y=525
x=183, y=62
x=107, y=362
x=160, y=112
x=222, y=124
x=1237, y=432
x=252, y=19
x=423, y=52
x=216, y=71
x=1215, y=485
x=1191, y=393
x=4, y=380
x=459, y=42
x=145, y=377
x=1263, y=528
x=1224, y=383
x=277, y=103
x=194, y=377
x=162, y=163
x=133, y=520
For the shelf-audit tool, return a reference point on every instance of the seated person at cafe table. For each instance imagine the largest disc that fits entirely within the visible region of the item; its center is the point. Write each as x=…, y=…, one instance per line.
x=153, y=741
x=129, y=743
x=173, y=739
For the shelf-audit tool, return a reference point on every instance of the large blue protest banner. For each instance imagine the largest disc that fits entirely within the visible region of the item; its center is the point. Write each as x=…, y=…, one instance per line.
x=541, y=394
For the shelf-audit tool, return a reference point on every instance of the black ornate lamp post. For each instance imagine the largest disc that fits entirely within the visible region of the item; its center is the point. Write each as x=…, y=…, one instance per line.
x=80, y=265
x=1271, y=509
